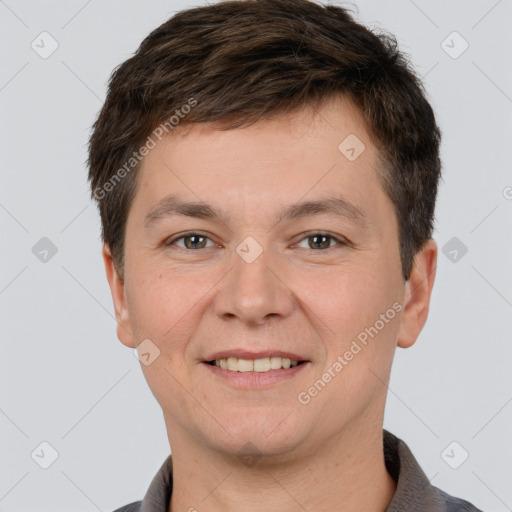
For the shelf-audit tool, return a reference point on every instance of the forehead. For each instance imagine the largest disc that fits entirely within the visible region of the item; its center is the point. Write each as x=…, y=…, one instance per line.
x=302, y=156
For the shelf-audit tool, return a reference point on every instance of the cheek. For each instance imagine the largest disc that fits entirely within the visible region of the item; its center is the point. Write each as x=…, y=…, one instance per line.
x=156, y=303
x=364, y=314
x=361, y=345
x=368, y=323
x=162, y=308
x=347, y=299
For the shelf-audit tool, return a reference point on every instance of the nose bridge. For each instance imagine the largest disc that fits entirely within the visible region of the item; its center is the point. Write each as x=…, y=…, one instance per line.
x=253, y=291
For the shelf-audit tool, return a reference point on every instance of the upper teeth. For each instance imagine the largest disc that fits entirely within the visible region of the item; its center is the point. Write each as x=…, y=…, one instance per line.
x=255, y=365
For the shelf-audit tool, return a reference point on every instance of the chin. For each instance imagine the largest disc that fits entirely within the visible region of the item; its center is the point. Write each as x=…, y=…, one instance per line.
x=253, y=438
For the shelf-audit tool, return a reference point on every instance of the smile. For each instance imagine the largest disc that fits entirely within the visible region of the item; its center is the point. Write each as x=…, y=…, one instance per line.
x=263, y=365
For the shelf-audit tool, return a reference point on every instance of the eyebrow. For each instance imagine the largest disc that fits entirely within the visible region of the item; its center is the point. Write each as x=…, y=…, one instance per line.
x=338, y=206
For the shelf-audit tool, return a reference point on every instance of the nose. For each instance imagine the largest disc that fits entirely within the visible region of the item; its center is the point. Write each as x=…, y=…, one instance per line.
x=254, y=292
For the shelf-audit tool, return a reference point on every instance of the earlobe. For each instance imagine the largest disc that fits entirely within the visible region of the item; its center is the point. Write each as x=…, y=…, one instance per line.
x=418, y=290
x=124, y=331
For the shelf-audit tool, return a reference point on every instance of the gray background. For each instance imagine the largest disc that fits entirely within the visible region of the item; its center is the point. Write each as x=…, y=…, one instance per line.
x=67, y=380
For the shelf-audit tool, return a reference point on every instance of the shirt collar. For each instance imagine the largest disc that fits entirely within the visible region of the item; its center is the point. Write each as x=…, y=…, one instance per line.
x=413, y=491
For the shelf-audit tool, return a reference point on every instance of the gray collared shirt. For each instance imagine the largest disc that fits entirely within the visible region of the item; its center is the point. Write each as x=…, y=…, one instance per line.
x=414, y=493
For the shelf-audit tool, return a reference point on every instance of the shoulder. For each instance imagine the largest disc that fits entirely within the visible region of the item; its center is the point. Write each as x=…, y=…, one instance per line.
x=454, y=504
x=132, y=507
x=414, y=492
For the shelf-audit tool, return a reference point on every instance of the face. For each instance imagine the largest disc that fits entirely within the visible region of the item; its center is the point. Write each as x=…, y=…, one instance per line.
x=253, y=273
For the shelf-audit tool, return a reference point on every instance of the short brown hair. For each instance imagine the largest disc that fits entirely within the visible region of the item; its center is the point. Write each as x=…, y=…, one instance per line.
x=246, y=60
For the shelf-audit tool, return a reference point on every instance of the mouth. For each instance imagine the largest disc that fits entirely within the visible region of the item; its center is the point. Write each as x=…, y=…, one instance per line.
x=255, y=374
x=242, y=369
x=261, y=365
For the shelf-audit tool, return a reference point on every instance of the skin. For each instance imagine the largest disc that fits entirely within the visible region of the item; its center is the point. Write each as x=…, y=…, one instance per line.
x=294, y=297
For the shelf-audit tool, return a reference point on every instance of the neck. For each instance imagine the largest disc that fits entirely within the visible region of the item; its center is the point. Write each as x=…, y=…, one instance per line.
x=348, y=470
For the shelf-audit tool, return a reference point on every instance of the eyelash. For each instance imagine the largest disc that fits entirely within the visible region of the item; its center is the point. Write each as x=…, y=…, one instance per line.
x=340, y=241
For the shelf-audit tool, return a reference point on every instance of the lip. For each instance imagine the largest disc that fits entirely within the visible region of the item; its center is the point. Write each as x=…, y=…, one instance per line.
x=245, y=354
x=254, y=380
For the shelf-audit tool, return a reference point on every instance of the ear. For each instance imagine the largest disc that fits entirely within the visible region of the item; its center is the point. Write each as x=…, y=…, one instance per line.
x=417, y=294
x=124, y=330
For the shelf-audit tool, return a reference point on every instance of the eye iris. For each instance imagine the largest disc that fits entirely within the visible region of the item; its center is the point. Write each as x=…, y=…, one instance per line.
x=193, y=246
x=324, y=245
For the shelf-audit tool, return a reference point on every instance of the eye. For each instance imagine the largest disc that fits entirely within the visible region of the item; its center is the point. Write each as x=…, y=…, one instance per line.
x=316, y=241
x=321, y=241
x=192, y=241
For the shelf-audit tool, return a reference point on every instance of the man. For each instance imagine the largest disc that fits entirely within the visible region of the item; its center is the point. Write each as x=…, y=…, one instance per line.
x=266, y=173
